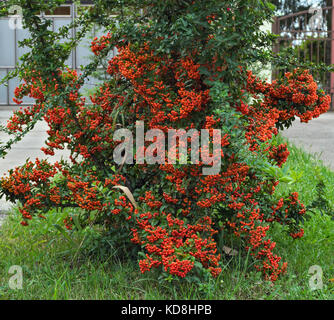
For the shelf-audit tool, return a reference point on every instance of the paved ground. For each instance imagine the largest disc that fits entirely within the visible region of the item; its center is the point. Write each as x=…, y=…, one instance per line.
x=29, y=147
x=316, y=137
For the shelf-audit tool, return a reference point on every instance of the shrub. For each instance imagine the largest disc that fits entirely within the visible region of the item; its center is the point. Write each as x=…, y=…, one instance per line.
x=180, y=65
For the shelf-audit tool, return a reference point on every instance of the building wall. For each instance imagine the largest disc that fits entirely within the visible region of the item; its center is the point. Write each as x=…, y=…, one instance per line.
x=266, y=71
x=10, y=51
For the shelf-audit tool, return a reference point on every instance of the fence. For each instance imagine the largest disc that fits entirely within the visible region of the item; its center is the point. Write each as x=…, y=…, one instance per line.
x=311, y=34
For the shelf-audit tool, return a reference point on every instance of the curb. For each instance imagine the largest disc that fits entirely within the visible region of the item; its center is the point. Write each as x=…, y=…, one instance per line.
x=3, y=216
x=5, y=208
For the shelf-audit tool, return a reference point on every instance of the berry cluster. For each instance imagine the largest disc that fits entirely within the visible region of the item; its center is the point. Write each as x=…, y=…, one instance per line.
x=181, y=212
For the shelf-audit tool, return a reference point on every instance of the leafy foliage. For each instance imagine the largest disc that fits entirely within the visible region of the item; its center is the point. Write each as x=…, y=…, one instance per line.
x=181, y=64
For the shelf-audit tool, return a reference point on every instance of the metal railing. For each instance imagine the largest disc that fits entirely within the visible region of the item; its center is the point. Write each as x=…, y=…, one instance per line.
x=311, y=35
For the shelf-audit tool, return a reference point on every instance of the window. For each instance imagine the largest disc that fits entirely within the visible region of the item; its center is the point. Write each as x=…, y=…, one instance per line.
x=60, y=11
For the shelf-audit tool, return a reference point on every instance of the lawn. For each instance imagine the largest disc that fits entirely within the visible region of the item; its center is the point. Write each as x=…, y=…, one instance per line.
x=56, y=266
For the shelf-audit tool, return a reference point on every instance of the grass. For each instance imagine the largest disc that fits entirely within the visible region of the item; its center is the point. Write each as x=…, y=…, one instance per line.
x=55, y=267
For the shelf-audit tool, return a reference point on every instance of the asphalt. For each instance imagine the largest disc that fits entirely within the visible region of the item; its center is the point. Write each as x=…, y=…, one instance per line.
x=315, y=137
